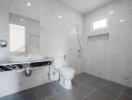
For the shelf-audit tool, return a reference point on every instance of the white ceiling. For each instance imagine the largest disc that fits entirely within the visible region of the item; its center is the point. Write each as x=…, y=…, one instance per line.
x=84, y=6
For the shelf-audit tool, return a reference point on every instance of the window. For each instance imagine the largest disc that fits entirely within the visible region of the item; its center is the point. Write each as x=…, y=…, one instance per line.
x=17, y=38
x=99, y=24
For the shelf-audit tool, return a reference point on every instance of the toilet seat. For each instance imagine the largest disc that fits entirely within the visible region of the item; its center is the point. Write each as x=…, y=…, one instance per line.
x=67, y=72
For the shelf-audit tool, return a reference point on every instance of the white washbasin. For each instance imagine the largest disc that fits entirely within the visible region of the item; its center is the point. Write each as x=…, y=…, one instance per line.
x=19, y=58
x=26, y=58
x=36, y=57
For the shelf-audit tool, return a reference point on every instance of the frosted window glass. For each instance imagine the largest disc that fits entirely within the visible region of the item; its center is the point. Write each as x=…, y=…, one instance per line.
x=17, y=38
x=102, y=23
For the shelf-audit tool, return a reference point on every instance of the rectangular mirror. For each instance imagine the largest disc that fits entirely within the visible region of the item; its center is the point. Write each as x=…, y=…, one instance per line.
x=24, y=29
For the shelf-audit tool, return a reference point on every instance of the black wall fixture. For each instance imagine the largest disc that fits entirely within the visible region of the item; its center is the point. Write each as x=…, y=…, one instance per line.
x=3, y=43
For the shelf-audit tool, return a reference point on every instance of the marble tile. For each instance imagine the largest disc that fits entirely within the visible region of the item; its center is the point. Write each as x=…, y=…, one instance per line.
x=110, y=91
x=125, y=97
x=128, y=91
x=4, y=98
x=44, y=92
x=84, y=78
x=84, y=90
x=58, y=97
x=98, y=96
x=73, y=94
x=24, y=95
x=115, y=85
x=94, y=83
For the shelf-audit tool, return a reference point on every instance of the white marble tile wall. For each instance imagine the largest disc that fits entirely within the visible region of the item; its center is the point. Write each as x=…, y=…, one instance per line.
x=110, y=56
x=4, y=19
x=56, y=40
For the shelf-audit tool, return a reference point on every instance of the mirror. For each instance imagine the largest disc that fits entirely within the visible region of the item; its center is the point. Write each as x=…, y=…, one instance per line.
x=24, y=27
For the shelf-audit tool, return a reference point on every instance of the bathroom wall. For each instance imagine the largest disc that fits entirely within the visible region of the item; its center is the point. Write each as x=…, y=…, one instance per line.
x=56, y=40
x=57, y=35
x=109, y=56
x=4, y=18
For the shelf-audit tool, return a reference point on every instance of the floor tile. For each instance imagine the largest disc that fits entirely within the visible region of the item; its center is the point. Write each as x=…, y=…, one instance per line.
x=4, y=98
x=44, y=86
x=83, y=77
x=110, y=91
x=104, y=81
x=24, y=95
x=94, y=84
x=45, y=92
x=84, y=90
x=57, y=86
x=98, y=96
x=87, y=98
x=75, y=82
x=85, y=74
x=125, y=97
x=72, y=94
x=128, y=91
x=115, y=85
x=58, y=97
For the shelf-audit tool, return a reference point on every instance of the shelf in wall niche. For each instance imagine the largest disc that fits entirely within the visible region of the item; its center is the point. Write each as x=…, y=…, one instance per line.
x=37, y=36
x=97, y=34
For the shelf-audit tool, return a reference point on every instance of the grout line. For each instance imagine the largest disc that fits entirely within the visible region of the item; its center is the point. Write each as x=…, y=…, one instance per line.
x=128, y=95
x=114, y=88
x=102, y=92
x=36, y=97
x=93, y=90
x=111, y=96
x=89, y=93
x=105, y=94
x=83, y=83
x=58, y=93
x=120, y=93
x=9, y=98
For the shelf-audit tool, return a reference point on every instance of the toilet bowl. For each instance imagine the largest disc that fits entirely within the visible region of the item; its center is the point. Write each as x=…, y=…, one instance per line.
x=66, y=76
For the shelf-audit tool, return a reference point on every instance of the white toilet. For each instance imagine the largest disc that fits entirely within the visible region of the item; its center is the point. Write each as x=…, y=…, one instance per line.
x=66, y=73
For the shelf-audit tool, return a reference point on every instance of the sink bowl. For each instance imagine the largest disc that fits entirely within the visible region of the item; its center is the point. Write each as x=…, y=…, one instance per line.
x=19, y=58
x=36, y=57
x=26, y=58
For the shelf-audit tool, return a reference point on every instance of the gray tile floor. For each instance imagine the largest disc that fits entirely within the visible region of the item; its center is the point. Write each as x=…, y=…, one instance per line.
x=86, y=87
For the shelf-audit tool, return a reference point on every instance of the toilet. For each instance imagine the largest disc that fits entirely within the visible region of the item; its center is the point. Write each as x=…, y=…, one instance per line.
x=66, y=74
